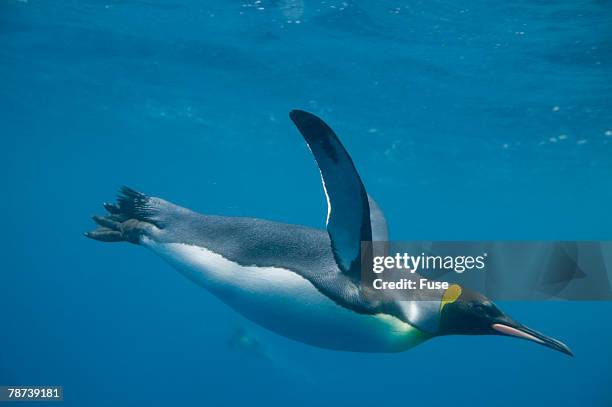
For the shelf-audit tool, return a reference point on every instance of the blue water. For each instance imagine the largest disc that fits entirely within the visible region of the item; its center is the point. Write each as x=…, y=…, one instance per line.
x=467, y=120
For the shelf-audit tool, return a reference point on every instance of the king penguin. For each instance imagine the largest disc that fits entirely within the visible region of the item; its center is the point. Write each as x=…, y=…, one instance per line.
x=300, y=282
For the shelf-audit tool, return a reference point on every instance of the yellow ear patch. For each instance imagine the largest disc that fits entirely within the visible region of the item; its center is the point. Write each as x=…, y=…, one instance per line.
x=450, y=295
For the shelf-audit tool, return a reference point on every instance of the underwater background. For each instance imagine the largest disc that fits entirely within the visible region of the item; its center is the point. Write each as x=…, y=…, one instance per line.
x=467, y=120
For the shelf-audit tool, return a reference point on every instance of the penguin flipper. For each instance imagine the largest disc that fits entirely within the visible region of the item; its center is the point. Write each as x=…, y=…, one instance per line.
x=348, y=209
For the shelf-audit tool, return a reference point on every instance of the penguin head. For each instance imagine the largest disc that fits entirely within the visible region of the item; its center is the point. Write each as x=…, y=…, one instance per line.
x=465, y=312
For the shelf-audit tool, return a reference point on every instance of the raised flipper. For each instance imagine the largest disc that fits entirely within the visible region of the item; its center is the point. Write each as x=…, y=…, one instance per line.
x=348, y=209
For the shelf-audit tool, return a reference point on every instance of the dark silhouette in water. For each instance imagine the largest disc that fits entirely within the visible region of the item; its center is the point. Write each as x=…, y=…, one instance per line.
x=243, y=342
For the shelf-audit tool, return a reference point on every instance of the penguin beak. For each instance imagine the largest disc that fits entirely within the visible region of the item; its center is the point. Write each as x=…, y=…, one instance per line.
x=520, y=331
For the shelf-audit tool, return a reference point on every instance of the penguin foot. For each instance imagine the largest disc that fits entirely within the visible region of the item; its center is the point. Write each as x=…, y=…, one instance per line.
x=126, y=221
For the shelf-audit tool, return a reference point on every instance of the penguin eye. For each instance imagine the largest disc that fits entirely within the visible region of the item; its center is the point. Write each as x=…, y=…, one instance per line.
x=480, y=309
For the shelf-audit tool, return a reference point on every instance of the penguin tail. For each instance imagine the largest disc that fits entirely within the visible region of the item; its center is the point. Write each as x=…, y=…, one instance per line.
x=132, y=216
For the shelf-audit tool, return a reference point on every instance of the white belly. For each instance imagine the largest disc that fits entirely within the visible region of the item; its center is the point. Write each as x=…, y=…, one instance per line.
x=288, y=304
